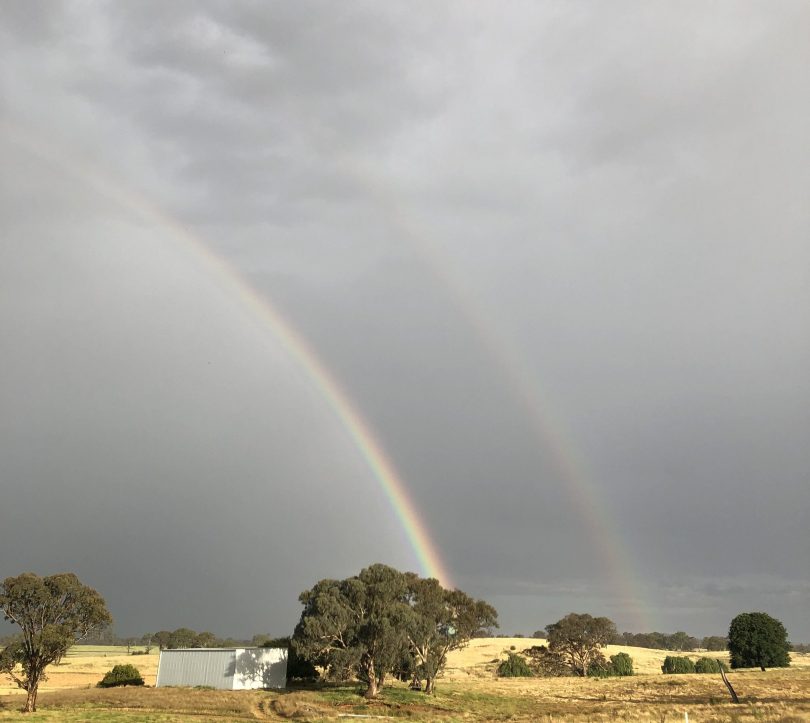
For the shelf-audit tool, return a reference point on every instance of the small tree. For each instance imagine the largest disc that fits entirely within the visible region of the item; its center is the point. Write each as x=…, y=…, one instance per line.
x=53, y=613
x=514, y=666
x=757, y=639
x=579, y=639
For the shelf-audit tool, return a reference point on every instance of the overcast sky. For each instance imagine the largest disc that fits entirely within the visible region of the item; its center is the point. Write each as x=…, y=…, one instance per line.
x=555, y=253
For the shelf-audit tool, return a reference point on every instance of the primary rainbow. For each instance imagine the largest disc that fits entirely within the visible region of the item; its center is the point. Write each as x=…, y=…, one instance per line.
x=367, y=445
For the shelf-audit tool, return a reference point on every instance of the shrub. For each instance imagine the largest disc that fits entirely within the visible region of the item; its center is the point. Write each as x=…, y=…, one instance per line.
x=515, y=666
x=618, y=665
x=677, y=664
x=121, y=675
x=622, y=664
x=710, y=665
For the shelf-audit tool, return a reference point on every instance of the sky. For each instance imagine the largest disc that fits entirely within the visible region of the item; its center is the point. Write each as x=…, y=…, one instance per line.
x=554, y=256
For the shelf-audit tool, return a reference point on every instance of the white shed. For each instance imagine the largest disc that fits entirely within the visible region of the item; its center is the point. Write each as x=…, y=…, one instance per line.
x=224, y=668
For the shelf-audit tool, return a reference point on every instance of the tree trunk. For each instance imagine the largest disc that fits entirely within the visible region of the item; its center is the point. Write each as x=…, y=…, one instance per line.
x=31, y=700
x=371, y=691
x=429, y=684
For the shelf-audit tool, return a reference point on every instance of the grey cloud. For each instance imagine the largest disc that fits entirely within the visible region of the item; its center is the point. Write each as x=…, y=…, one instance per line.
x=453, y=207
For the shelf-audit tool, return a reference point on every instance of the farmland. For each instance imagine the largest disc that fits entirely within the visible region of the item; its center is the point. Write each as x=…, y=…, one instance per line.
x=468, y=691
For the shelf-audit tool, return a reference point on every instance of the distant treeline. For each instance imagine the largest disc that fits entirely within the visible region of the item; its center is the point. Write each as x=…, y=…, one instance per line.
x=679, y=641
x=179, y=638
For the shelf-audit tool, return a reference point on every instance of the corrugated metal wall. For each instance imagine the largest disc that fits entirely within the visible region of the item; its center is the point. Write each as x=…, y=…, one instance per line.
x=227, y=669
x=197, y=667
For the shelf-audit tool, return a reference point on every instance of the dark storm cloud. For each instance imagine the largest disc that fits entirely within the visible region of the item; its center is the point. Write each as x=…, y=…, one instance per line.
x=608, y=201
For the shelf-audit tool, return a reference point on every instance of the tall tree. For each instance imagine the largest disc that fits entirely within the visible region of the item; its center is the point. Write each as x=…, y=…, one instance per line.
x=440, y=621
x=355, y=625
x=54, y=613
x=579, y=638
x=758, y=639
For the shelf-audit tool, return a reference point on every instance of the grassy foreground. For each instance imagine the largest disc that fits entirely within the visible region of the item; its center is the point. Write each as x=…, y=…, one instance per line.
x=469, y=692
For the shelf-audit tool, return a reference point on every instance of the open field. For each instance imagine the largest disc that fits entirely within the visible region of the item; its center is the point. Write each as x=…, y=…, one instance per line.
x=468, y=692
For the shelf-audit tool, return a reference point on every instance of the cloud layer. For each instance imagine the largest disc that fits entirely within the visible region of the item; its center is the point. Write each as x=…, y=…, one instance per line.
x=556, y=254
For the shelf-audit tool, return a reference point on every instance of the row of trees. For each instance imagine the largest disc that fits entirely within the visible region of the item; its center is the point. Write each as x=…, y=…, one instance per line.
x=384, y=622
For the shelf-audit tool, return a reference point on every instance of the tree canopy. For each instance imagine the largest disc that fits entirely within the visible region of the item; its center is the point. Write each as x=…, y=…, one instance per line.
x=578, y=638
x=757, y=639
x=53, y=613
x=383, y=620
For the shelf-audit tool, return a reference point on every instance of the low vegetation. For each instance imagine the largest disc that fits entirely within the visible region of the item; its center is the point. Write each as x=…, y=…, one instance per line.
x=121, y=675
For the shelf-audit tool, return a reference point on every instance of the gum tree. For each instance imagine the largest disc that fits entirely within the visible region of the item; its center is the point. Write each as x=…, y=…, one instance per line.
x=579, y=638
x=441, y=620
x=53, y=613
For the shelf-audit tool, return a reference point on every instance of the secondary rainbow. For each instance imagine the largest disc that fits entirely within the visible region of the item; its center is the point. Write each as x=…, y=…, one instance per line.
x=549, y=424
x=338, y=401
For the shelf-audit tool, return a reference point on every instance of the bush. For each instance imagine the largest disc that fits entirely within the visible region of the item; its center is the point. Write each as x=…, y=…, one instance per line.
x=121, y=675
x=757, y=639
x=710, y=665
x=622, y=664
x=515, y=666
x=618, y=665
x=677, y=664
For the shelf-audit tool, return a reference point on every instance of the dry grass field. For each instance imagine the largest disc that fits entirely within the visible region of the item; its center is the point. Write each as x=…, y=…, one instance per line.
x=469, y=691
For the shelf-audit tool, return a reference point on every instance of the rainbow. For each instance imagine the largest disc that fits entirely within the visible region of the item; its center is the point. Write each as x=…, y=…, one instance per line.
x=370, y=449
x=548, y=423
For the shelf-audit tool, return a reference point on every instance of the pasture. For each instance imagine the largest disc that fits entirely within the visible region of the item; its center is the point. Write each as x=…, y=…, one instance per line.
x=469, y=691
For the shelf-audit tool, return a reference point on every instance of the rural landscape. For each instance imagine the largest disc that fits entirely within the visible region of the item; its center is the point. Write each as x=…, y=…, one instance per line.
x=385, y=644
x=397, y=360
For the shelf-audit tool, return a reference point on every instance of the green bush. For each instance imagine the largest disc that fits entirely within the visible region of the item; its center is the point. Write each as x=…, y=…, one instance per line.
x=618, y=665
x=622, y=664
x=515, y=666
x=710, y=665
x=121, y=675
x=677, y=664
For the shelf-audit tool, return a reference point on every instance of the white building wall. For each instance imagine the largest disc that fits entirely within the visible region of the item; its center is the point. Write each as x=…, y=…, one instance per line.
x=260, y=668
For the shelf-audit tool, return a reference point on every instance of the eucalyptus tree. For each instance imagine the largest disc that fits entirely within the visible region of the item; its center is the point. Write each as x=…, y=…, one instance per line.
x=441, y=620
x=579, y=639
x=53, y=613
x=355, y=626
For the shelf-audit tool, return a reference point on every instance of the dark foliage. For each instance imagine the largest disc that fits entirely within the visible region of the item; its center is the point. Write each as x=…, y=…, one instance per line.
x=677, y=664
x=121, y=675
x=758, y=640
